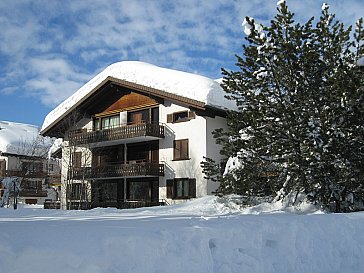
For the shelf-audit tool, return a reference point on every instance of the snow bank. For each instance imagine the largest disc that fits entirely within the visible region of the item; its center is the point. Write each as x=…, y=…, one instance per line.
x=195, y=237
x=172, y=81
x=21, y=139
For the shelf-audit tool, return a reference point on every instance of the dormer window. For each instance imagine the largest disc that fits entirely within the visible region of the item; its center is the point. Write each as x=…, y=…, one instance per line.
x=180, y=116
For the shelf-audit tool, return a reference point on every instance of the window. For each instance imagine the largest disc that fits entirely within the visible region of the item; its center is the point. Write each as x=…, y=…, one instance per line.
x=107, y=122
x=180, y=149
x=76, y=160
x=77, y=191
x=180, y=116
x=181, y=188
x=96, y=124
x=110, y=122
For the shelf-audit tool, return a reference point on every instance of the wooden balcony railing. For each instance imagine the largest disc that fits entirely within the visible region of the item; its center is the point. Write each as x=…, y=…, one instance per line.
x=26, y=174
x=117, y=133
x=120, y=170
x=33, y=193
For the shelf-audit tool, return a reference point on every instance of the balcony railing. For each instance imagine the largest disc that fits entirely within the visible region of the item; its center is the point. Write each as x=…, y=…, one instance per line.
x=117, y=133
x=120, y=170
x=26, y=174
x=33, y=193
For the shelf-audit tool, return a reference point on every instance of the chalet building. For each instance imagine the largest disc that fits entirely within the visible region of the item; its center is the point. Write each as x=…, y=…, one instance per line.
x=23, y=154
x=135, y=136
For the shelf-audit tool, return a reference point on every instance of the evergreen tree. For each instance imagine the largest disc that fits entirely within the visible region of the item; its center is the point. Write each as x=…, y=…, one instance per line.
x=300, y=120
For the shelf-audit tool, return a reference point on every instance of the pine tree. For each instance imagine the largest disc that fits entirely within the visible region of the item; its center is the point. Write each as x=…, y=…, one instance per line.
x=300, y=120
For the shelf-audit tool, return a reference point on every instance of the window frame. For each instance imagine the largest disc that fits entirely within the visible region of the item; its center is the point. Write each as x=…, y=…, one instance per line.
x=98, y=122
x=172, y=186
x=178, y=150
x=173, y=117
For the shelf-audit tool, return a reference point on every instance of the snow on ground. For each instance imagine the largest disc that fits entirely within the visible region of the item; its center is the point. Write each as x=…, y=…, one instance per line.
x=203, y=235
x=172, y=81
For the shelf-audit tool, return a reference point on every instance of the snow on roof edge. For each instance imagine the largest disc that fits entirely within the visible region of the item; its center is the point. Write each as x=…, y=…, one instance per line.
x=21, y=139
x=184, y=84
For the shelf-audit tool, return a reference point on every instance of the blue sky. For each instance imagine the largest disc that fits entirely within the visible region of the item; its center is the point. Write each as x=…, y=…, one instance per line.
x=50, y=48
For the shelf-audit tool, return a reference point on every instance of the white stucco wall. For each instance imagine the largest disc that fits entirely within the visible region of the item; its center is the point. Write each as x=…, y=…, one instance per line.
x=213, y=149
x=201, y=143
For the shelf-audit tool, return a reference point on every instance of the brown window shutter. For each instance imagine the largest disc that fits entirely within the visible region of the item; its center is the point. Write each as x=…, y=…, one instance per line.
x=191, y=115
x=192, y=187
x=180, y=149
x=176, y=150
x=184, y=148
x=2, y=168
x=170, y=188
x=169, y=118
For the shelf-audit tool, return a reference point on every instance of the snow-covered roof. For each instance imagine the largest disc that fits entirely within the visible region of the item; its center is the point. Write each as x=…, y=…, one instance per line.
x=180, y=83
x=22, y=139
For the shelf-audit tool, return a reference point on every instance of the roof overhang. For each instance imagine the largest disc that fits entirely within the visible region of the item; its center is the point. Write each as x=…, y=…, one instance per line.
x=133, y=86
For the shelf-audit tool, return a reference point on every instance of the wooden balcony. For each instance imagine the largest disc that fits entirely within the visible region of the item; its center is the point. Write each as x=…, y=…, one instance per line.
x=154, y=130
x=33, y=193
x=120, y=170
x=29, y=174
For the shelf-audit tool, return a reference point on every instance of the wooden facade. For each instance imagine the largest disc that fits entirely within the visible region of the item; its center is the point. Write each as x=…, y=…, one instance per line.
x=125, y=167
x=129, y=101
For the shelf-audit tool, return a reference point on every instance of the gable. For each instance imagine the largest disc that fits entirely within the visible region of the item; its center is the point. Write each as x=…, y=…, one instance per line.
x=130, y=101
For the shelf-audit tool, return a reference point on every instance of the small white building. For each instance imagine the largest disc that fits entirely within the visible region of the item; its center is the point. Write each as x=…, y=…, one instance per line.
x=135, y=135
x=24, y=154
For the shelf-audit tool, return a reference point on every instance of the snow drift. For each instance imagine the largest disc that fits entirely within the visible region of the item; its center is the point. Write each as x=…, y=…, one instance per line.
x=203, y=235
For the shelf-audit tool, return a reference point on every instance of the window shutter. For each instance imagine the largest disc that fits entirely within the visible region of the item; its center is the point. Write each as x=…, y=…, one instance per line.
x=2, y=168
x=192, y=187
x=191, y=115
x=169, y=188
x=169, y=118
x=184, y=149
x=175, y=151
x=180, y=149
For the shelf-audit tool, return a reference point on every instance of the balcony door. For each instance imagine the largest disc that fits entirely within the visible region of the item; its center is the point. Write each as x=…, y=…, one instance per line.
x=144, y=152
x=149, y=115
x=108, y=156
